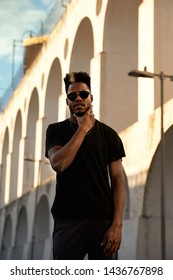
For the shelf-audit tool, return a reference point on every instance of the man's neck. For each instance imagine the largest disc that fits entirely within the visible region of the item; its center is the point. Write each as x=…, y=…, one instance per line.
x=73, y=119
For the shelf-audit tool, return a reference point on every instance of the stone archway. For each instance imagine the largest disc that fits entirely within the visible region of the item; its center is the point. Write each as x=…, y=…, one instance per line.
x=120, y=52
x=149, y=234
x=42, y=228
x=6, y=239
x=21, y=235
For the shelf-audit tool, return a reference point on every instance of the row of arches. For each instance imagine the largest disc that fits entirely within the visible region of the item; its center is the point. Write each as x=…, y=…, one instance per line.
x=22, y=159
x=27, y=233
x=27, y=228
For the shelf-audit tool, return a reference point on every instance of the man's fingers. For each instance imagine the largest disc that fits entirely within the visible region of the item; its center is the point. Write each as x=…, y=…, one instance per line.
x=111, y=248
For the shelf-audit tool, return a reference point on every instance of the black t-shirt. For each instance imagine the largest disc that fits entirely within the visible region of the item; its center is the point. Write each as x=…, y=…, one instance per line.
x=83, y=190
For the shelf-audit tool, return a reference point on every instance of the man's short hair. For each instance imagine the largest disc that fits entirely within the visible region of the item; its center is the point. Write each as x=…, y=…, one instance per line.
x=75, y=77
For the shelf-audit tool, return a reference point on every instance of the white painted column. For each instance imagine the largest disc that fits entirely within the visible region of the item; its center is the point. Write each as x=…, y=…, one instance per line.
x=146, y=58
x=95, y=83
x=7, y=179
x=20, y=167
x=38, y=152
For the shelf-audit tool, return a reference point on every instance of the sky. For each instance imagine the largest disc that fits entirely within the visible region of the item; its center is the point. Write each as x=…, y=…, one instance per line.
x=18, y=18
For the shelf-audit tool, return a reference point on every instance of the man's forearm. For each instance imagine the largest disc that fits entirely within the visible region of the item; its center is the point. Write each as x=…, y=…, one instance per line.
x=63, y=157
x=118, y=202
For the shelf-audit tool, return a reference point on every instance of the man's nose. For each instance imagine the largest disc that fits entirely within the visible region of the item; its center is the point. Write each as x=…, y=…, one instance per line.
x=78, y=96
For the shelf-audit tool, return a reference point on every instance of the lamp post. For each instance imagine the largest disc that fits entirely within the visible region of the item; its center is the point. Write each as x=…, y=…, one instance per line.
x=161, y=76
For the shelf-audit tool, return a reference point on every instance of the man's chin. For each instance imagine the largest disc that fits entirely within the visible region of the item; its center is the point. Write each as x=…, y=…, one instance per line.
x=79, y=114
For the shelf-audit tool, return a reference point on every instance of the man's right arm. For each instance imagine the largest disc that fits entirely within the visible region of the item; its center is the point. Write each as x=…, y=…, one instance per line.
x=61, y=157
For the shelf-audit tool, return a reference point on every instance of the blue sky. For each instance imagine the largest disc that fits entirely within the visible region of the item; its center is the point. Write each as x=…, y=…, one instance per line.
x=18, y=18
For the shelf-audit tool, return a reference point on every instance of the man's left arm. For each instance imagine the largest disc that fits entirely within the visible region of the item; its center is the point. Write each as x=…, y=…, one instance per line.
x=112, y=238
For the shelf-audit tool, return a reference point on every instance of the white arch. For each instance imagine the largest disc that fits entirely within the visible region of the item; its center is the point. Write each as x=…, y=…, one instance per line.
x=5, y=167
x=30, y=140
x=15, y=175
x=150, y=224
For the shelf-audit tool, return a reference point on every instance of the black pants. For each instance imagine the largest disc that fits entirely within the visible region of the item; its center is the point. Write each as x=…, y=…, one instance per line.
x=72, y=240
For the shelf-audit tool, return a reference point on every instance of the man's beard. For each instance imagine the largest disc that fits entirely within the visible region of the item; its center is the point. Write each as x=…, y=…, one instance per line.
x=80, y=114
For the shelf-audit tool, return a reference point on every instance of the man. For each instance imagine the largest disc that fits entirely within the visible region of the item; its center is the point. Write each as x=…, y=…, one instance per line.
x=90, y=197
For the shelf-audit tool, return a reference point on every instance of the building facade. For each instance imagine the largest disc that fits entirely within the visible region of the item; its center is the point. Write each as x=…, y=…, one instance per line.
x=106, y=38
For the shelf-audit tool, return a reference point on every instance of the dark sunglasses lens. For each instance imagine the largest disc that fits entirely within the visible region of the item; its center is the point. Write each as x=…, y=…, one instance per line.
x=73, y=95
x=84, y=94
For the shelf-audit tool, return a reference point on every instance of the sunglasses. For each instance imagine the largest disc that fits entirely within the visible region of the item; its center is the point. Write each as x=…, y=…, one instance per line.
x=73, y=95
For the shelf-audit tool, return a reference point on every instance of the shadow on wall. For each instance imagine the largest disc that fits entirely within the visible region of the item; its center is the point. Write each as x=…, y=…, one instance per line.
x=149, y=233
